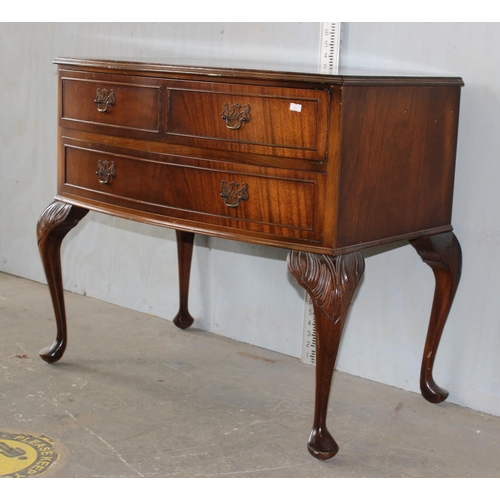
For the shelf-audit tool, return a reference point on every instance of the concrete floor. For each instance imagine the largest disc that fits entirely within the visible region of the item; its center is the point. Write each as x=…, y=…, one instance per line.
x=135, y=397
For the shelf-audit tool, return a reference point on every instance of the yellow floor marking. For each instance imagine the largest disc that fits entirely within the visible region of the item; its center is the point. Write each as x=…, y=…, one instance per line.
x=26, y=454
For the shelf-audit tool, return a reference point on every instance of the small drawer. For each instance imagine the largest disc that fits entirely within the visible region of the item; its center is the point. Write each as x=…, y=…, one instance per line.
x=228, y=195
x=88, y=101
x=265, y=120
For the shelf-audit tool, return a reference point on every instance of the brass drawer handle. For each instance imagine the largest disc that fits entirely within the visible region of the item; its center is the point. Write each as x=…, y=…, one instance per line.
x=235, y=118
x=105, y=171
x=233, y=196
x=104, y=99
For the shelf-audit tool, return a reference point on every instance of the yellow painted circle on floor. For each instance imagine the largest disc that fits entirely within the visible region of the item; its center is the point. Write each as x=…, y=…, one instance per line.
x=26, y=455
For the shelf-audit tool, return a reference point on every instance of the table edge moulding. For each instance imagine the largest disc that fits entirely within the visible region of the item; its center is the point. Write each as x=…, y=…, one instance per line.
x=322, y=165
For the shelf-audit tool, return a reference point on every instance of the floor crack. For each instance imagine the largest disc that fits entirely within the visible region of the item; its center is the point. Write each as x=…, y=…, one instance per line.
x=90, y=431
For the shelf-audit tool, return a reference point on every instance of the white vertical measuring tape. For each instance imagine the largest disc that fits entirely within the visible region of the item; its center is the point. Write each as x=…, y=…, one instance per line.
x=309, y=335
x=329, y=59
x=329, y=50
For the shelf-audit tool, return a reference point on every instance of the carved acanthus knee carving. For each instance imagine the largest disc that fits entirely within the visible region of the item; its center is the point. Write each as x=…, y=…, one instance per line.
x=330, y=281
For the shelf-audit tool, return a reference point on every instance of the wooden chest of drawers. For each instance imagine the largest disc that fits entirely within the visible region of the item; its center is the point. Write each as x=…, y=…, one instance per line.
x=322, y=165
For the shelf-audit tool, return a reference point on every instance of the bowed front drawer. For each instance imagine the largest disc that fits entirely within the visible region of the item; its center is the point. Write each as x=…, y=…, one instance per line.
x=268, y=120
x=110, y=104
x=229, y=195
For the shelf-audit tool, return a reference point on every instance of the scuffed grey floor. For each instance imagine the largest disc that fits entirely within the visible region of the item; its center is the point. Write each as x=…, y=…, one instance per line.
x=135, y=397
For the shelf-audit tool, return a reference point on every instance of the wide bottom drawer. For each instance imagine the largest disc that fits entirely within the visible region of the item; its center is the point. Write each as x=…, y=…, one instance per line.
x=228, y=195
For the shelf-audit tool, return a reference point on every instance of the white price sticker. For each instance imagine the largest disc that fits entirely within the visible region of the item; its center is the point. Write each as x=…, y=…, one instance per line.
x=295, y=107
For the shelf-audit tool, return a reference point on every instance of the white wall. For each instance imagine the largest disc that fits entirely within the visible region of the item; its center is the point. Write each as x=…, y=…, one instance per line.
x=233, y=284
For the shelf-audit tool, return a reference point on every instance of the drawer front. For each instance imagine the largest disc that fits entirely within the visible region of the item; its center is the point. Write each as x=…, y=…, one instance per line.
x=228, y=195
x=265, y=120
x=88, y=101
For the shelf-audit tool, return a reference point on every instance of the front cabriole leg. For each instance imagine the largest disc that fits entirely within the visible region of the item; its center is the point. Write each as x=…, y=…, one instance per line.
x=53, y=225
x=443, y=254
x=331, y=283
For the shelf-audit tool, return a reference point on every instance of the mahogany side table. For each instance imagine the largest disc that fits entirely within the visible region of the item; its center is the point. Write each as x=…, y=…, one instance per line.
x=323, y=165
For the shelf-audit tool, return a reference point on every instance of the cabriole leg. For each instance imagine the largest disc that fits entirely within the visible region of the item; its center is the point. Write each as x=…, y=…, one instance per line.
x=331, y=283
x=443, y=254
x=53, y=225
x=185, y=253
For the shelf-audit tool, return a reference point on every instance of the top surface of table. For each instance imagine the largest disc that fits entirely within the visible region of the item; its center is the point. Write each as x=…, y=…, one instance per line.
x=260, y=70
